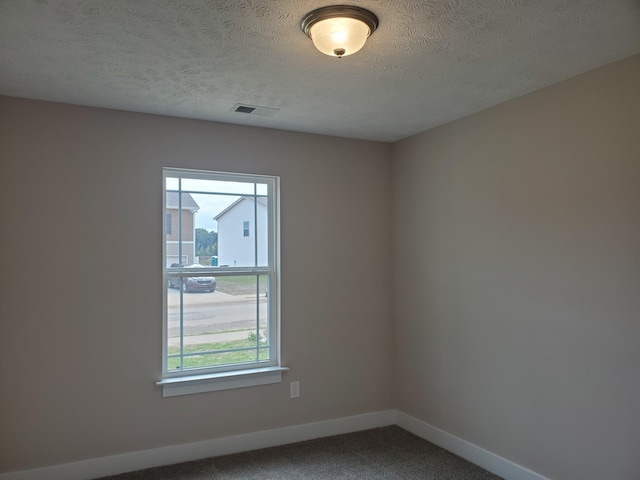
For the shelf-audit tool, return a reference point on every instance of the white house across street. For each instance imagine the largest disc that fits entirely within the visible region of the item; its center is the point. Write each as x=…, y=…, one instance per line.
x=243, y=233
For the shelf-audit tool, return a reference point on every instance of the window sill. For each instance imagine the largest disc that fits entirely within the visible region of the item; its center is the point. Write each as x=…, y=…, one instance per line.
x=212, y=382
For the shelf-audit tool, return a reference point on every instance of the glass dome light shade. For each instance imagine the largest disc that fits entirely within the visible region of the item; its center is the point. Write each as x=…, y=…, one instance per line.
x=336, y=34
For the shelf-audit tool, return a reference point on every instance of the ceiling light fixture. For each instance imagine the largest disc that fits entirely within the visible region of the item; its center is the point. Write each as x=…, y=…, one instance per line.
x=339, y=30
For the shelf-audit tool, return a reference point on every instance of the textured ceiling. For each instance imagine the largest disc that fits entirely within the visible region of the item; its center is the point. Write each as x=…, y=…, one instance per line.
x=428, y=63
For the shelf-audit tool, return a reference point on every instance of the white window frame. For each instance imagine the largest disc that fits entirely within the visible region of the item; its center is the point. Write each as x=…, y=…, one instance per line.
x=199, y=380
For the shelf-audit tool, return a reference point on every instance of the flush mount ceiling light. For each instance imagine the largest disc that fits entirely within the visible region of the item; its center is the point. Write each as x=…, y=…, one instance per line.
x=339, y=30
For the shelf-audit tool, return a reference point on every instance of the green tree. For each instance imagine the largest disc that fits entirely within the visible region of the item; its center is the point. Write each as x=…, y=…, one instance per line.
x=206, y=242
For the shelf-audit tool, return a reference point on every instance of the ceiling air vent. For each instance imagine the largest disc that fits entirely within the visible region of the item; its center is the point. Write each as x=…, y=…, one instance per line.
x=244, y=109
x=254, y=110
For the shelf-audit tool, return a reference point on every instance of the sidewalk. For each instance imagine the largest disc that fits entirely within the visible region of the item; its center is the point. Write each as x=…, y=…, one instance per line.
x=210, y=338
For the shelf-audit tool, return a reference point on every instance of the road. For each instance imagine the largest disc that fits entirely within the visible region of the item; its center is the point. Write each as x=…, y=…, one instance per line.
x=211, y=313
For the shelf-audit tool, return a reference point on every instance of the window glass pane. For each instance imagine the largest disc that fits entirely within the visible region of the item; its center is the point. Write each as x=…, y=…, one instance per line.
x=206, y=360
x=243, y=234
x=262, y=232
x=171, y=183
x=218, y=186
x=179, y=231
x=210, y=206
x=262, y=189
x=206, y=225
x=208, y=329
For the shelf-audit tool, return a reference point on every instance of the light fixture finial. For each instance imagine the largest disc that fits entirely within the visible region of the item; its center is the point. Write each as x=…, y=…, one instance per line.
x=339, y=30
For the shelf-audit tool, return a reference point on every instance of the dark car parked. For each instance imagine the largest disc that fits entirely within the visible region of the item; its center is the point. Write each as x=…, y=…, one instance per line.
x=193, y=284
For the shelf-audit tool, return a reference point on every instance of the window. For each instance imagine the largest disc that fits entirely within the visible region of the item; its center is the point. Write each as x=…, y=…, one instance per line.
x=221, y=311
x=167, y=224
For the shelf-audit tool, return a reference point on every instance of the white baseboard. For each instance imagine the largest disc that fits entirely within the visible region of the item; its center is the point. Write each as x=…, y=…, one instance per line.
x=483, y=458
x=128, y=462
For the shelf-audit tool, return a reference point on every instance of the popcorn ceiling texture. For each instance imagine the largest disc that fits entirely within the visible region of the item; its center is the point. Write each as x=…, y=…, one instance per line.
x=429, y=62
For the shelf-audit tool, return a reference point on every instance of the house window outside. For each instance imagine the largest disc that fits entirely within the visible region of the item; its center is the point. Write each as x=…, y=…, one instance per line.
x=167, y=224
x=220, y=323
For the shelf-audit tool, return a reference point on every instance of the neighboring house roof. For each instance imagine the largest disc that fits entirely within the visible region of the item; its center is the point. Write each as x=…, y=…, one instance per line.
x=261, y=201
x=188, y=203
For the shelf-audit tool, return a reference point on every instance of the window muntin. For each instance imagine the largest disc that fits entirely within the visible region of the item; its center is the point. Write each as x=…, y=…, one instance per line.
x=220, y=318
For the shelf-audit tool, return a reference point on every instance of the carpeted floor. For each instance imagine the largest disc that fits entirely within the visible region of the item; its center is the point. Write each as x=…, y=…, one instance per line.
x=381, y=453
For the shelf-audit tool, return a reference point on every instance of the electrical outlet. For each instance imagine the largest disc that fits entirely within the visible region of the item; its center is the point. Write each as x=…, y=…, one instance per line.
x=294, y=389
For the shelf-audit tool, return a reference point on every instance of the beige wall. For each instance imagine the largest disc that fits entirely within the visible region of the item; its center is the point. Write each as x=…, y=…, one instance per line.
x=517, y=277
x=80, y=330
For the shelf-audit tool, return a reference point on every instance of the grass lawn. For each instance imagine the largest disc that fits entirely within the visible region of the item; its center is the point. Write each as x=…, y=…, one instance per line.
x=214, y=359
x=242, y=284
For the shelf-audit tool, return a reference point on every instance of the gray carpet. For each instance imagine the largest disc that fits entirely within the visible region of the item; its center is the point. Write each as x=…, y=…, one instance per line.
x=381, y=453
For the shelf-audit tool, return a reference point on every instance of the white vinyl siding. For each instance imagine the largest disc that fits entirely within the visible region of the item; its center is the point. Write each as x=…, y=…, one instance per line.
x=235, y=249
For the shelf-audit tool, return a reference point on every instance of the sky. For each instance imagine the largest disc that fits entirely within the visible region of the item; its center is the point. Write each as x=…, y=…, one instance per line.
x=210, y=206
